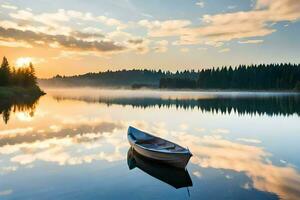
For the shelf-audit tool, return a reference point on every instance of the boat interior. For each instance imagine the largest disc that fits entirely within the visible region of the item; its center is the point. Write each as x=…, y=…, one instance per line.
x=155, y=143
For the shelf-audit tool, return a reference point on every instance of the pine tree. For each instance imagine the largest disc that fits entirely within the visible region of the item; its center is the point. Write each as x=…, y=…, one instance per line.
x=32, y=76
x=5, y=73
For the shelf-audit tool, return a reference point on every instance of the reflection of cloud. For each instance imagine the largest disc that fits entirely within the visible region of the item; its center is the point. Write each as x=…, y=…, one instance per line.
x=6, y=192
x=23, y=116
x=56, y=151
x=8, y=169
x=216, y=152
x=12, y=132
x=56, y=144
x=14, y=136
x=197, y=174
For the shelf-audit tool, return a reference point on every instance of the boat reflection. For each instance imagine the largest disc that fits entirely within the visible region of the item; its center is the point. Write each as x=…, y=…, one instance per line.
x=178, y=178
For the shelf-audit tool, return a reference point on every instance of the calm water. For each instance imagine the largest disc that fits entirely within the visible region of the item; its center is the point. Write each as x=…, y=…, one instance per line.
x=71, y=144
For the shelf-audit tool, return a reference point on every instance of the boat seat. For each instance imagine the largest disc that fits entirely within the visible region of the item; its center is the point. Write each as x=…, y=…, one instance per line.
x=167, y=146
x=144, y=141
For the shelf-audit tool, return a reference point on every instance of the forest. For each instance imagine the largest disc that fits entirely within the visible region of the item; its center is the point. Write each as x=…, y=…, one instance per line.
x=243, y=77
x=23, y=76
x=134, y=78
x=251, y=77
x=18, y=83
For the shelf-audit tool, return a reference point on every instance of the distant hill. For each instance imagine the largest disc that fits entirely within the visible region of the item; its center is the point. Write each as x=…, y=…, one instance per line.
x=122, y=78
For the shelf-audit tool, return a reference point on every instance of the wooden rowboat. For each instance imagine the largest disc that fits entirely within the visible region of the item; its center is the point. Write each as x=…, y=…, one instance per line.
x=158, y=149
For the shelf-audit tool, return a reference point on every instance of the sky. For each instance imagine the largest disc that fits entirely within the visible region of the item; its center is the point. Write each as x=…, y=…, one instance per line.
x=74, y=37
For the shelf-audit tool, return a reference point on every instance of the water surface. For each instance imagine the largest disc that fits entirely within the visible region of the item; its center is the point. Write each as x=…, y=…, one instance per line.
x=71, y=144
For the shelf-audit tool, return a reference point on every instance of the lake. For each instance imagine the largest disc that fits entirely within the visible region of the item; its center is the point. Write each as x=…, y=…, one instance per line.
x=72, y=144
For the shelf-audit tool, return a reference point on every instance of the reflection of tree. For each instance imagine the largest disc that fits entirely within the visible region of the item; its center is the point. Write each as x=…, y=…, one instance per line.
x=17, y=105
x=270, y=105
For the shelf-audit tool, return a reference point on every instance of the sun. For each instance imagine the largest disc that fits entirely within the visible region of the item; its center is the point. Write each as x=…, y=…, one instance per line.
x=23, y=61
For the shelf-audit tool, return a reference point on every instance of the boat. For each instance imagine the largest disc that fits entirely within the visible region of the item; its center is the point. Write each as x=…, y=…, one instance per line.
x=176, y=177
x=158, y=149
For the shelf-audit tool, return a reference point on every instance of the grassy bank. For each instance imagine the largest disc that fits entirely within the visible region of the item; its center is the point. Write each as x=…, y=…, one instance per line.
x=14, y=92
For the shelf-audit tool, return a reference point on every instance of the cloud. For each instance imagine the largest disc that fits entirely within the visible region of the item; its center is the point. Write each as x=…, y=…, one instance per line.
x=231, y=7
x=135, y=41
x=227, y=26
x=250, y=41
x=11, y=43
x=200, y=4
x=61, y=15
x=68, y=42
x=87, y=34
x=49, y=30
x=220, y=131
x=12, y=132
x=164, y=28
x=161, y=46
x=111, y=22
x=248, y=140
x=6, y=192
x=8, y=6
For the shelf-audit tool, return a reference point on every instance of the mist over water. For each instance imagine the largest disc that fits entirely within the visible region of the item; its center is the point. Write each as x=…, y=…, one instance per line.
x=73, y=145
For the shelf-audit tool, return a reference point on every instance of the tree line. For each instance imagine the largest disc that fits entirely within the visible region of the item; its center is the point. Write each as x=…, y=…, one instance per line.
x=23, y=76
x=244, y=77
x=252, y=77
x=135, y=78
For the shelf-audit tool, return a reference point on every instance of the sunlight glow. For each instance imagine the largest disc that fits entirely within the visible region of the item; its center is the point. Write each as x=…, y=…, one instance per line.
x=23, y=61
x=23, y=116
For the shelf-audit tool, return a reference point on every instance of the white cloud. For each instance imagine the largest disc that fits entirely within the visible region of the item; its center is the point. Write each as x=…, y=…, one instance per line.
x=11, y=43
x=6, y=192
x=225, y=27
x=197, y=174
x=231, y=7
x=250, y=41
x=164, y=28
x=200, y=4
x=15, y=131
x=8, y=6
x=249, y=140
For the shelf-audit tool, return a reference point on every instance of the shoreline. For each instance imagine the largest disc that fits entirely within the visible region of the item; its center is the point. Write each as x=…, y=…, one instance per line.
x=175, y=89
x=14, y=92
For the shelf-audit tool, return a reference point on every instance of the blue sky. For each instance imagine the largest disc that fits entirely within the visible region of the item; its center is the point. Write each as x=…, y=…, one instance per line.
x=72, y=36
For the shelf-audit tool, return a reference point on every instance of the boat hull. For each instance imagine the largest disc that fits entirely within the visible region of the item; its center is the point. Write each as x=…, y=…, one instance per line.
x=179, y=160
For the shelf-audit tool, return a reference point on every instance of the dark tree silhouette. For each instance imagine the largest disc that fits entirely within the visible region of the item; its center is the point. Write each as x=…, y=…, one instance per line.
x=5, y=73
x=253, y=77
x=24, y=77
